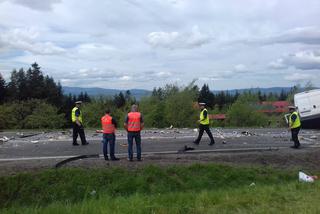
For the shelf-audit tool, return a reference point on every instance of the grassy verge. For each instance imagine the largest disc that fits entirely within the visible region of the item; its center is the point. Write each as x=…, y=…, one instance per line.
x=178, y=189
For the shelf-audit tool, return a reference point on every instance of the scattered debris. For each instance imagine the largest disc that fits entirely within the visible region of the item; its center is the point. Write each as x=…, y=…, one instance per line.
x=185, y=148
x=4, y=139
x=34, y=141
x=252, y=184
x=22, y=135
x=313, y=137
x=246, y=133
x=224, y=142
x=93, y=193
x=171, y=127
x=195, y=130
x=306, y=178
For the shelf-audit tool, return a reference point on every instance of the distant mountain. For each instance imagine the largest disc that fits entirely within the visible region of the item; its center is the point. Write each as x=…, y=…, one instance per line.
x=137, y=93
x=274, y=90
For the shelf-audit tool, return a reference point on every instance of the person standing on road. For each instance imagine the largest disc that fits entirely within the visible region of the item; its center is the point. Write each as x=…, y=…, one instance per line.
x=109, y=125
x=204, y=125
x=294, y=126
x=76, y=117
x=134, y=124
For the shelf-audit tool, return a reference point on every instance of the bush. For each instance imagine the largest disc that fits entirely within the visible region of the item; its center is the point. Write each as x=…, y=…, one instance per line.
x=30, y=114
x=242, y=113
x=45, y=116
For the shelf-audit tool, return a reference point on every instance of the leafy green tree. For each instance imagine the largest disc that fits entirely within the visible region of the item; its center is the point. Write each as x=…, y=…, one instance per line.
x=243, y=114
x=44, y=116
x=7, y=117
x=30, y=114
x=179, y=108
x=153, y=109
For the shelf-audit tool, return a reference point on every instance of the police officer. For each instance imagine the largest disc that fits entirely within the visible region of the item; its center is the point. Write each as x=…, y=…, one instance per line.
x=294, y=126
x=109, y=126
x=134, y=124
x=204, y=125
x=76, y=117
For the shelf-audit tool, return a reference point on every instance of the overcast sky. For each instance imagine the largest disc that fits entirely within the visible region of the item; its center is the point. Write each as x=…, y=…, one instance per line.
x=128, y=44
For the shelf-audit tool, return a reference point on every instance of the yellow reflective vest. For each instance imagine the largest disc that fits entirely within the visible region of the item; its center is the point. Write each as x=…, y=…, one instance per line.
x=73, y=115
x=204, y=121
x=296, y=123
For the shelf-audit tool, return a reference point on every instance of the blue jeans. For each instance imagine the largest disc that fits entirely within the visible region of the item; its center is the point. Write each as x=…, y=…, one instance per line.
x=108, y=138
x=137, y=137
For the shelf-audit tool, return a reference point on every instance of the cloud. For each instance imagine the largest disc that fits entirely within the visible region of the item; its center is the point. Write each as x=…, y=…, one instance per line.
x=93, y=51
x=125, y=78
x=155, y=75
x=278, y=64
x=41, y=5
x=304, y=60
x=176, y=40
x=304, y=35
x=91, y=74
x=23, y=39
x=309, y=35
x=240, y=68
x=296, y=77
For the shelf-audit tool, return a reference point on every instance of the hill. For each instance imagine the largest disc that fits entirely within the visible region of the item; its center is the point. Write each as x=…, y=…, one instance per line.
x=137, y=93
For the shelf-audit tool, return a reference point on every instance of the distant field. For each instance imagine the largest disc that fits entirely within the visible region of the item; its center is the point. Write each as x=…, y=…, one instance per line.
x=200, y=188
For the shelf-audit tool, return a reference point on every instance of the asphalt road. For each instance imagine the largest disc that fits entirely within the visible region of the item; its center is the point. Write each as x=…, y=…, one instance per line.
x=154, y=140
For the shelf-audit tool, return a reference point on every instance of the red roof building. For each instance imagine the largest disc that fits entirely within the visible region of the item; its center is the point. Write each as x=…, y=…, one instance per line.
x=273, y=107
x=217, y=116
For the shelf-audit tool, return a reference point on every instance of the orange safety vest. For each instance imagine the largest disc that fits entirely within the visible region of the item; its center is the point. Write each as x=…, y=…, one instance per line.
x=134, y=121
x=107, y=126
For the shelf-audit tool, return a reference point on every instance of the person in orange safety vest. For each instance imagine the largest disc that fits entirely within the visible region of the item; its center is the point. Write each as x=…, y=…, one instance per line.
x=134, y=124
x=109, y=125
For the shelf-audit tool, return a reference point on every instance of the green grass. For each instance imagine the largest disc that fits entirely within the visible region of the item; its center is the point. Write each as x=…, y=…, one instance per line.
x=179, y=189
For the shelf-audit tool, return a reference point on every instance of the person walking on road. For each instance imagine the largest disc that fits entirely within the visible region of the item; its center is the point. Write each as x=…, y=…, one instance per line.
x=134, y=124
x=294, y=126
x=109, y=125
x=204, y=125
x=76, y=117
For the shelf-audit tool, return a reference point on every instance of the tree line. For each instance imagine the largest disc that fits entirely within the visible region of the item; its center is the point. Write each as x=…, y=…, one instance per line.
x=32, y=100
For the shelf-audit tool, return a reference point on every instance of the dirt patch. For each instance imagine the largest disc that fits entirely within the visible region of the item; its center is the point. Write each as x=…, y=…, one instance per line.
x=306, y=159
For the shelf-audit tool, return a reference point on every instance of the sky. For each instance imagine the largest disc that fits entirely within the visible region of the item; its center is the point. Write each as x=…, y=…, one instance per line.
x=127, y=44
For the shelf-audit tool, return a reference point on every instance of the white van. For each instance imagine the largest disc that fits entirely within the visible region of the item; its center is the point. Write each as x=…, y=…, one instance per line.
x=308, y=104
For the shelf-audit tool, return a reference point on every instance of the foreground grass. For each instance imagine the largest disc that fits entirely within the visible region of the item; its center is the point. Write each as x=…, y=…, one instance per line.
x=179, y=189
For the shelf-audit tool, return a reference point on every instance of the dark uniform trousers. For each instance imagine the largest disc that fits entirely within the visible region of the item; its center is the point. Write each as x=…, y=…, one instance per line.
x=78, y=130
x=203, y=128
x=294, y=136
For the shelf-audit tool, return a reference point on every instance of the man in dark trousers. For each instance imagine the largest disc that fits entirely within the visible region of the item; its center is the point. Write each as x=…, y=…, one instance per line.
x=204, y=125
x=76, y=117
x=294, y=126
x=109, y=126
x=134, y=124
